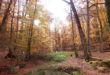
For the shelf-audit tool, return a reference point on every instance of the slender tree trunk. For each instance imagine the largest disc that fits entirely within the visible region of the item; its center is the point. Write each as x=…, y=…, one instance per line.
x=101, y=29
x=88, y=28
x=59, y=42
x=10, y=53
x=30, y=35
x=56, y=39
x=24, y=13
x=74, y=48
x=81, y=33
x=18, y=14
x=107, y=4
x=1, y=4
x=17, y=26
x=4, y=20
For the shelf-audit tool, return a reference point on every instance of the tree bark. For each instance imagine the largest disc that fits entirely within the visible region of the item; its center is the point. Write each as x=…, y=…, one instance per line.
x=73, y=47
x=107, y=4
x=81, y=33
x=4, y=20
x=101, y=29
x=1, y=4
x=10, y=53
x=30, y=36
x=88, y=28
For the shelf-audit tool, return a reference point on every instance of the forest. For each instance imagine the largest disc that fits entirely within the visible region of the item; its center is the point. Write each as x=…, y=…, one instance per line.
x=54, y=37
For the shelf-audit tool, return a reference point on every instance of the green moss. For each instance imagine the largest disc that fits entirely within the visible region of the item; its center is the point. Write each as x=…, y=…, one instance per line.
x=59, y=56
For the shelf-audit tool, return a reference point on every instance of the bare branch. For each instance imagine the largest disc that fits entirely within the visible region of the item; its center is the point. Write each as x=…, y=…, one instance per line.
x=95, y=4
x=66, y=1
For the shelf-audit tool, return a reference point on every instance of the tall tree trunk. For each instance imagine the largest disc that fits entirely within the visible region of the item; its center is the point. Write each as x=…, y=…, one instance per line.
x=18, y=14
x=24, y=13
x=17, y=26
x=81, y=33
x=73, y=38
x=30, y=36
x=88, y=28
x=10, y=53
x=1, y=4
x=101, y=29
x=4, y=20
x=56, y=39
x=107, y=4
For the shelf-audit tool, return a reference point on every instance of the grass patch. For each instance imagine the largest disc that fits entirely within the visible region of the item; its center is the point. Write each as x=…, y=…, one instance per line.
x=50, y=69
x=59, y=56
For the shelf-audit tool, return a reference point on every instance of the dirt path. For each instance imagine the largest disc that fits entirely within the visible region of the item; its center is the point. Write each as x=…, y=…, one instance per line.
x=104, y=56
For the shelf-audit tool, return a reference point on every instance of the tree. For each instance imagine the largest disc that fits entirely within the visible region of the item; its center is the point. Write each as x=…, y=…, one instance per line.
x=101, y=29
x=107, y=3
x=81, y=33
x=1, y=4
x=57, y=36
x=4, y=20
x=88, y=27
x=31, y=33
x=73, y=35
x=10, y=53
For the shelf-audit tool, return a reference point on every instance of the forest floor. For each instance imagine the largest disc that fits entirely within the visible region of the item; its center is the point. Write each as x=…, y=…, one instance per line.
x=85, y=66
x=29, y=66
x=71, y=61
